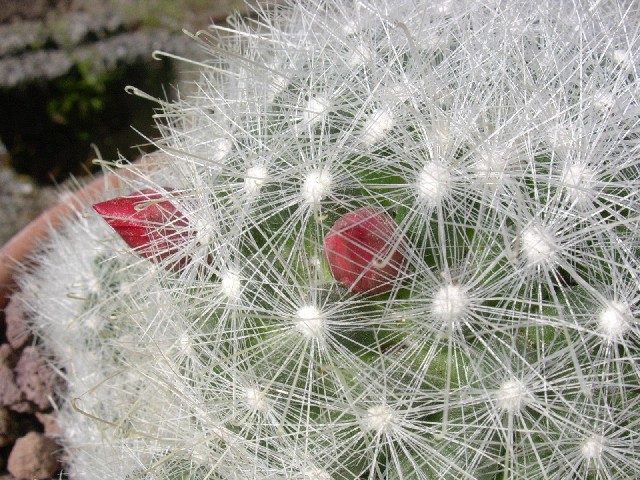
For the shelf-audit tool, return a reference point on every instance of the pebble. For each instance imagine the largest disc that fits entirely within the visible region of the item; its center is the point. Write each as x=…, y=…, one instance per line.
x=9, y=393
x=8, y=356
x=33, y=457
x=35, y=378
x=17, y=332
x=50, y=423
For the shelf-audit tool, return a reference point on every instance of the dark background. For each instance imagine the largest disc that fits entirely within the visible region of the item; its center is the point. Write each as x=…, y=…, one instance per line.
x=64, y=66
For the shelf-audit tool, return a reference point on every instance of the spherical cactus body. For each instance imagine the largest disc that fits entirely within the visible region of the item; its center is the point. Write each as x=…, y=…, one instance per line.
x=394, y=240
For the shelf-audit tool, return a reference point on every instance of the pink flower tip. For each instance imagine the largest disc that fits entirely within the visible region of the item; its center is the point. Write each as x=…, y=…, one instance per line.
x=148, y=223
x=364, y=251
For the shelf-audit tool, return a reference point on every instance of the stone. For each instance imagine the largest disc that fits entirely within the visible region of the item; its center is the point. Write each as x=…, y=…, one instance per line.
x=35, y=379
x=33, y=456
x=8, y=355
x=50, y=423
x=9, y=393
x=17, y=332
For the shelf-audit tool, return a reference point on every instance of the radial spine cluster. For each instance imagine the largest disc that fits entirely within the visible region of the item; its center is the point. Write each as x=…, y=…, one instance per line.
x=501, y=137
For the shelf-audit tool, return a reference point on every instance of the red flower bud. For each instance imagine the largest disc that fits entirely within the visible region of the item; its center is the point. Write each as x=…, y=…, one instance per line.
x=153, y=227
x=363, y=249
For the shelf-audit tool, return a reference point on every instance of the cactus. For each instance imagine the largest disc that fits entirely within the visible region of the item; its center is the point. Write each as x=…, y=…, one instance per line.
x=385, y=240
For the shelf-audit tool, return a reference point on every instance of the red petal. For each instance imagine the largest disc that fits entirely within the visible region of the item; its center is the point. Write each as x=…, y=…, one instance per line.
x=363, y=251
x=153, y=227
